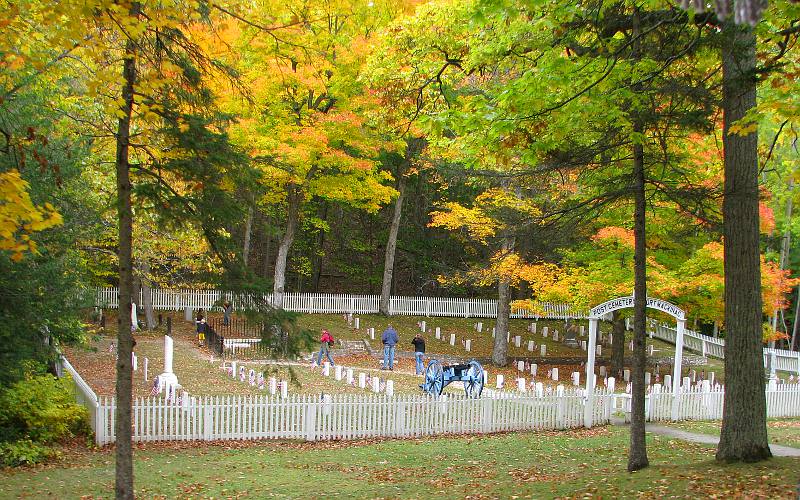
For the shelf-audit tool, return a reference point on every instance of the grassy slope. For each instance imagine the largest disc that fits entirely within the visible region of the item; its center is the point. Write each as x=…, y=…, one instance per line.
x=201, y=377
x=516, y=465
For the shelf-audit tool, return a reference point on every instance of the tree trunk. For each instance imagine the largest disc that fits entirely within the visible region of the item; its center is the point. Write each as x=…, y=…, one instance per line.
x=248, y=229
x=268, y=245
x=637, y=457
x=319, y=252
x=617, y=345
x=793, y=344
x=122, y=427
x=744, y=425
x=147, y=295
x=292, y=219
x=391, y=246
x=500, y=349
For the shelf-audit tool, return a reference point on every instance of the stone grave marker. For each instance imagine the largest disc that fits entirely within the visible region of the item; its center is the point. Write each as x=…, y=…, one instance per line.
x=544, y=350
x=545, y=331
x=599, y=350
x=610, y=384
x=357, y=323
x=376, y=384
x=555, y=335
x=576, y=378
x=521, y=366
x=438, y=333
x=534, y=369
x=668, y=382
x=531, y=345
x=479, y=326
x=521, y=384
x=452, y=339
x=569, y=339
x=603, y=370
x=468, y=345
x=338, y=372
x=555, y=373
x=390, y=387
x=349, y=377
x=517, y=340
x=647, y=378
x=362, y=380
x=499, y=384
x=626, y=375
x=273, y=385
x=284, y=388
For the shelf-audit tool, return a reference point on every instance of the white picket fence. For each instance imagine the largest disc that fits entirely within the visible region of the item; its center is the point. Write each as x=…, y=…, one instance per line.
x=347, y=416
x=788, y=361
x=84, y=394
x=699, y=403
x=319, y=303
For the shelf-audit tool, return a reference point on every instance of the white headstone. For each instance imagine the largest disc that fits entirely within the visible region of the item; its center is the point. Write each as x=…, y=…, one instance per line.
x=390, y=387
x=533, y=327
x=168, y=347
x=555, y=336
x=499, y=381
x=508, y=336
x=530, y=345
x=544, y=350
x=647, y=378
x=357, y=323
x=479, y=327
x=362, y=380
x=485, y=377
x=602, y=370
x=668, y=382
x=234, y=373
x=610, y=384
x=134, y=319
x=576, y=378
x=545, y=331
x=349, y=377
x=583, y=345
x=146, y=362
x=521, y=366
x=583, y=331
x=610, y=338
x=284, y=388
x=711, y=377
x=422, y=326
x=599, y=350
x=273, y=385
x=376, y=384
x=687, y=382
x=326, y=369
x=539, y=389
x=517, y=340
x=494, y=331
x=134, y=361
x=693, y=374
x=555, y=373
x=521, y=384
x=626, y=375
x=372, y=333
x=452, y=339
x=468, y=345
x=438, y=333
x=772, y=384
x=650, y=349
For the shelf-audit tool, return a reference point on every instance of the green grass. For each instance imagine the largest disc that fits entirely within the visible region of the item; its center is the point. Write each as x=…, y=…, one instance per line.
x=783, y=431
x=571, y=464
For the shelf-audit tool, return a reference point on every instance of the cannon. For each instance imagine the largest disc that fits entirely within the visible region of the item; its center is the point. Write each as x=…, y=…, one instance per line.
x=438, y=376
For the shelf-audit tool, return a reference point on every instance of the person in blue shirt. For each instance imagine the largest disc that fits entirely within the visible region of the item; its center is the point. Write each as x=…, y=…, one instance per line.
x=389, y=339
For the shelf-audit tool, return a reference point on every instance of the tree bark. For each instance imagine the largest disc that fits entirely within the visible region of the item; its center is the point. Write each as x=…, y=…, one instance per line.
x=292, y=219
x=124, y=453
x=744, y=425
x=391, y=246
x=617, y=345
x=319, y=252
x=147, y=295
x=500, y=349
x=268, y=245
x=637, y=456
x=248, y=229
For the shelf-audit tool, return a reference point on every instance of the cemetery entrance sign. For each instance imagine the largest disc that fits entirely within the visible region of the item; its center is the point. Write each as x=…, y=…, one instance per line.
x=601, y=310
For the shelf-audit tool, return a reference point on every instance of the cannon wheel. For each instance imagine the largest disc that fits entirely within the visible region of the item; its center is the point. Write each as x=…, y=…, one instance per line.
x=434, y=378
x=473, y=384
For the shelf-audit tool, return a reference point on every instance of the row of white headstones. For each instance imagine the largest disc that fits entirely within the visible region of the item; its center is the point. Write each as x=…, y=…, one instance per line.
x=255, y=379
x=365, y=380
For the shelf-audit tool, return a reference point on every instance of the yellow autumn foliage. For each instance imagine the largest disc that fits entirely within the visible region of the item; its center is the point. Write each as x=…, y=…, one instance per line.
x=19, y=217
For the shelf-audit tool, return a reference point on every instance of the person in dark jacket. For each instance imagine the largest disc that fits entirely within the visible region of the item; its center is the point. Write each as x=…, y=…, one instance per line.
x=419, y=352
x=389, y=339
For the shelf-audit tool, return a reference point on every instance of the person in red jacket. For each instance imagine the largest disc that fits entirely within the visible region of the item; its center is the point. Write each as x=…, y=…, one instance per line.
x=326, y=342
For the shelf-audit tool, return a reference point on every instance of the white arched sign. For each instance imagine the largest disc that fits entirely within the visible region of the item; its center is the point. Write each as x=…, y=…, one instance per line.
x=599, y=311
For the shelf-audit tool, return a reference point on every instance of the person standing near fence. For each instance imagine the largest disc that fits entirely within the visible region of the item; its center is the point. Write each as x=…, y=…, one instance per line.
x=389, y=339
x=419, y=352
x=201, y=327
x=326, y=342
x=227, y=310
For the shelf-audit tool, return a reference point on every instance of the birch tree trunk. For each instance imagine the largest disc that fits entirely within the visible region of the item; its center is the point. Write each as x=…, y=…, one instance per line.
x=744, y=415
x=292, y=219
x=391, y=247
x=248, y=229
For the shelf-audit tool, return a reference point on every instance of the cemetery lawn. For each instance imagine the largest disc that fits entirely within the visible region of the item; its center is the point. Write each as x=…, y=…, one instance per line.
x=572, y=464
x=782, y=431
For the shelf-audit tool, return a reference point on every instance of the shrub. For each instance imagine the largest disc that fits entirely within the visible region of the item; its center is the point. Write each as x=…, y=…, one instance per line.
x=24, y=452
x=35, y=412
